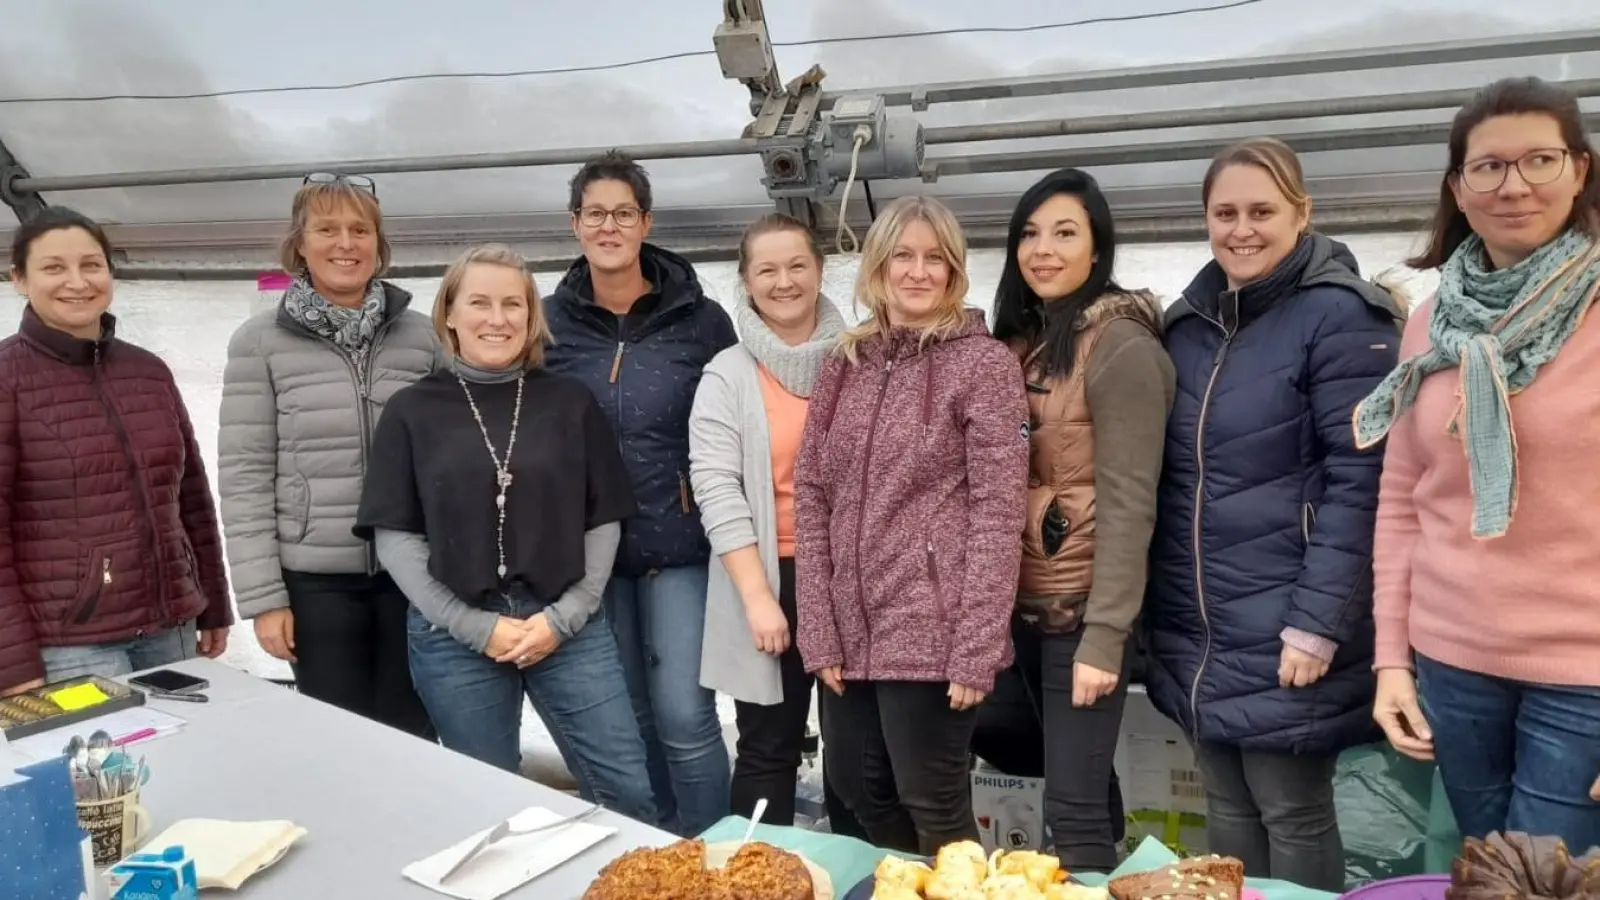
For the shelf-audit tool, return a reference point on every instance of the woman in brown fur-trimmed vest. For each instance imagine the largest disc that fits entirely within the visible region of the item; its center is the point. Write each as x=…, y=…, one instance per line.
x=1099, y=387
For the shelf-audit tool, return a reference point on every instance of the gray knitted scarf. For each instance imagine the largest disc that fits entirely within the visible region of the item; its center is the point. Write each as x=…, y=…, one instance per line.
x=350, y=328
x=795, y=367
x=1499, y=326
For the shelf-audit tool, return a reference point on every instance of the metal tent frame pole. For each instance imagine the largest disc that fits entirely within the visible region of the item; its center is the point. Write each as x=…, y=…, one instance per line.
x=1371, y=104
x=1202, y=148
x=19, y=184
x=919, y=96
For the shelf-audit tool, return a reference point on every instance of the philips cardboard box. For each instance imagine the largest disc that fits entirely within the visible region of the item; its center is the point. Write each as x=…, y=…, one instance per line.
x=1009, y=809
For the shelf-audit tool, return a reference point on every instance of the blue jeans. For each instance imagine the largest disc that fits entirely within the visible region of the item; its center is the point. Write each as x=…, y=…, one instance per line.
x=117, y=658
x=476, y=705
x=1514, y=756
x=660, y=620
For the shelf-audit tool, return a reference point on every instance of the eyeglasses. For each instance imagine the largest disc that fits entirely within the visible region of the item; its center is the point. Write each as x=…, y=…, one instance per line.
x=594, y=216
x=1536, y=167
x=359, y=182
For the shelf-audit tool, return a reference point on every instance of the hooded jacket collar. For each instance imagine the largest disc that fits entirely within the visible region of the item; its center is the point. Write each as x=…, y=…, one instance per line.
x=1317, y=261
x=903, y=342
x=672, y=279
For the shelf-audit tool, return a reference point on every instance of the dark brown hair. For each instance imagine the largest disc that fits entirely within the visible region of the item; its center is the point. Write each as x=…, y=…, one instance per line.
x=54, y=218
x=772, y=223
x=1273, y=156
x=613, y=165
x=1509, y=97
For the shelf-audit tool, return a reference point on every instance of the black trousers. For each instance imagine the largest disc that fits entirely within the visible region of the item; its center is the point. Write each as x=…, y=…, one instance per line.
x=1030, y=728
x=771, y=739
x=350, y=640
x=900, y=761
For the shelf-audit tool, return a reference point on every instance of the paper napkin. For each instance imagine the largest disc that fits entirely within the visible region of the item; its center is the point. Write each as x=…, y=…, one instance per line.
x=226, y=854
x=509, y=863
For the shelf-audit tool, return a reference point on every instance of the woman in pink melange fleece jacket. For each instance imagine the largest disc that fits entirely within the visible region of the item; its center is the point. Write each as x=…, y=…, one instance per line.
x=909, y=507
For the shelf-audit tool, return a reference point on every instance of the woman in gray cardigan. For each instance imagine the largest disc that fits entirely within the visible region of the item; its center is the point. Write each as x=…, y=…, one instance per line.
x=744, y=434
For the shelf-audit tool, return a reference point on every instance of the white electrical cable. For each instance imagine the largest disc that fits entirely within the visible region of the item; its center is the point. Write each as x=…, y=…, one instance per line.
x=862, y=135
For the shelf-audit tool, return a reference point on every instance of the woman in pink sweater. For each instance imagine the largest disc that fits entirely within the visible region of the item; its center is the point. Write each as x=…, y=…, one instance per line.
x=1487, y=579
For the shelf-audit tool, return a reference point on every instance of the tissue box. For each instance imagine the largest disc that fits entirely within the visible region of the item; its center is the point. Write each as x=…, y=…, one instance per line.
x=42, y=856
x=1009, y=809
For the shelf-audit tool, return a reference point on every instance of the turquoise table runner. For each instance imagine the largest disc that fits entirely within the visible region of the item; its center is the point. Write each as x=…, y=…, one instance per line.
x=847, y=860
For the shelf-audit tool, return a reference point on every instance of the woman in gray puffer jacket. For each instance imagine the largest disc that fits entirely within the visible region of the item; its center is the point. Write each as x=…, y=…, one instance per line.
x=301, y=394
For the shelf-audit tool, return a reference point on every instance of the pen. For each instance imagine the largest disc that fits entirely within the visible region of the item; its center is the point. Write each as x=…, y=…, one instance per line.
x=139, y=735
x=187, y=698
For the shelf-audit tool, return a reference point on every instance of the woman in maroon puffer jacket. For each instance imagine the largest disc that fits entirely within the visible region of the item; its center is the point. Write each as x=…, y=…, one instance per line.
x=909, y=504
x=110, y=556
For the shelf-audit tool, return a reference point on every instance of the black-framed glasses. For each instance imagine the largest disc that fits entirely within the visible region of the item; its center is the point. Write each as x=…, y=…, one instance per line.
x=359, y=182
x=1542, y=166
x=625, y=217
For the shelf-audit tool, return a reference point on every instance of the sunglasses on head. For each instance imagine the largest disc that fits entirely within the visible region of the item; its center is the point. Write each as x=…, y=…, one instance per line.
x=359, y=182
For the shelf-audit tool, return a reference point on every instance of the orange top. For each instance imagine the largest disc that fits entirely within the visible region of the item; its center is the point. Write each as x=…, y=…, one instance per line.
x=786, y=423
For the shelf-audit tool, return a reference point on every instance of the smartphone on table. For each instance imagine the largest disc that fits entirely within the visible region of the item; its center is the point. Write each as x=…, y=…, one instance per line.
x=169, y=681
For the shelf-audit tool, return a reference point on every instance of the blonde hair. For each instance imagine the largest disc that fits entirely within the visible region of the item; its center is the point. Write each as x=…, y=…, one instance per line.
x=1270, y=155
x=873, y=290
x=491, y=255
x=327, y=198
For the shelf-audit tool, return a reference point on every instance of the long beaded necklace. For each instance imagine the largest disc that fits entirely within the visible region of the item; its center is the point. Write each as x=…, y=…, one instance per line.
x=502, y=468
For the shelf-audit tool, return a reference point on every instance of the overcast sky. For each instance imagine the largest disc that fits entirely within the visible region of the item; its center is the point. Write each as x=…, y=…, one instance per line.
x=77, y=47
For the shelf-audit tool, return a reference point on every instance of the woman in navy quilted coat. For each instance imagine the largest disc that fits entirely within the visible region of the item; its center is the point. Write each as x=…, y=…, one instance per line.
x=1259, y=607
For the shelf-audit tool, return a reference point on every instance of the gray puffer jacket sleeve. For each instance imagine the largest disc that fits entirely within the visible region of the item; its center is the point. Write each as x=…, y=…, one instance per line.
x=247, y=471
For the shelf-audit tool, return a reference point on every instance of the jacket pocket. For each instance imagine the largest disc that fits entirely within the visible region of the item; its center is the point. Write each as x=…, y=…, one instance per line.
x=194, y=564
x=937, y=588
x=1308, y=521
x=685, y=496
x=1047, y=528
x=1053, y=530
x=104, y=567
x=294, y=512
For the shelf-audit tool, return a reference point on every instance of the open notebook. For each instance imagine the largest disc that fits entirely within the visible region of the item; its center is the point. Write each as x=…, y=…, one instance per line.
x=227, y=853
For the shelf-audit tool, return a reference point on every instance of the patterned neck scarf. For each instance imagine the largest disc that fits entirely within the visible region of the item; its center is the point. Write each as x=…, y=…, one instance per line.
x=350, y=328
x=1499, y=326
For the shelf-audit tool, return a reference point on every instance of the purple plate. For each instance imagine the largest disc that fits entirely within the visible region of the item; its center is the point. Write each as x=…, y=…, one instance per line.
x=1412, y=887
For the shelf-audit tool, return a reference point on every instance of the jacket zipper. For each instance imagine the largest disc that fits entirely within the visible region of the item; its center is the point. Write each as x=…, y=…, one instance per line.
x=146, y=517
x=683, y=492
x=1199, y=499
x=861, y=511
x=616, y=364
x=361, y=380
x=616, y=379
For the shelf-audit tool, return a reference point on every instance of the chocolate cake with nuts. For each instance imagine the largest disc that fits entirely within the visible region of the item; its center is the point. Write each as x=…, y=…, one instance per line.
x=1200, y=878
